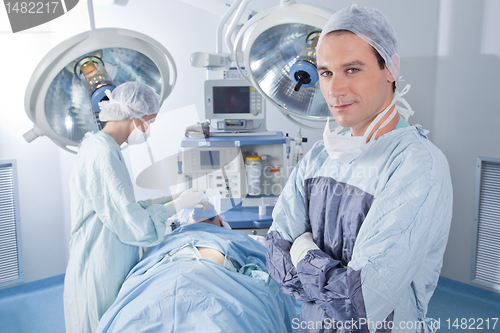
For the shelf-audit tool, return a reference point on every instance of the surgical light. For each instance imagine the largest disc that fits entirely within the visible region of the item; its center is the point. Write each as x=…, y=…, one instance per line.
x=304, y=71
x=64, y=91
x=276, y=52
x=276, y=49
x=91, y=71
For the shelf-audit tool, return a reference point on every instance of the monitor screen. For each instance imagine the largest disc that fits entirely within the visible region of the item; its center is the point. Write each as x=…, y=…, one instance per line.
x=229, y=100
x=209, y=158
x=233, y=99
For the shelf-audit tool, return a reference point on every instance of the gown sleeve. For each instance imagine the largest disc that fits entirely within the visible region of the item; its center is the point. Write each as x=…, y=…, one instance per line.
x=158, y=201
x=290, y=220
x=111, y=195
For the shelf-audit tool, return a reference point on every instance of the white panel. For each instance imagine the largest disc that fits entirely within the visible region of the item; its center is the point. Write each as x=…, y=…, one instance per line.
x=491, y=26
x=10, y=264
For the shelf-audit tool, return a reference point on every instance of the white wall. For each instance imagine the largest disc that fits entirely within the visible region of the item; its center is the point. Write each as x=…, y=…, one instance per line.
x=467, y=114
x=452, y=93
x=42, y=167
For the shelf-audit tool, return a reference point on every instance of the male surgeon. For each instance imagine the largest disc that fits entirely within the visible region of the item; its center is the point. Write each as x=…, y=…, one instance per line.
x=360, y=229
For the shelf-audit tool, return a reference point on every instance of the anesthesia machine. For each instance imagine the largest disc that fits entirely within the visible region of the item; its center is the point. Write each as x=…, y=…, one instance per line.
x=240, y=160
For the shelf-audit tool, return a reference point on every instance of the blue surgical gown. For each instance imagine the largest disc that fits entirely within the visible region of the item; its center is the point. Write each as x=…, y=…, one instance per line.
x=381, y=224
x=107, y=228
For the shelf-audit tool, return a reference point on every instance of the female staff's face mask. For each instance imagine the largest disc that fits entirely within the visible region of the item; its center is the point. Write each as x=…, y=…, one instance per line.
x=137, y=136
x=346, y=148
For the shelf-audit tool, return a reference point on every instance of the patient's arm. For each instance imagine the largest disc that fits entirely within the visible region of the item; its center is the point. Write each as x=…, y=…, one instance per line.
x=211, y=254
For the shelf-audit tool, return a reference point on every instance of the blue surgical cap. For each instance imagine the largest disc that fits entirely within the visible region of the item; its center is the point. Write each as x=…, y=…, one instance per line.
x=370, y=25
x=204, y=211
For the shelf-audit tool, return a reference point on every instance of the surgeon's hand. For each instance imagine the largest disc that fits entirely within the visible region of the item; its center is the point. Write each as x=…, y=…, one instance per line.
x=188, y=199
x=300, y=246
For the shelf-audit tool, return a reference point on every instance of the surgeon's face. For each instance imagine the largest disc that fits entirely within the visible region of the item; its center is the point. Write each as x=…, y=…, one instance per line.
x=354, y=86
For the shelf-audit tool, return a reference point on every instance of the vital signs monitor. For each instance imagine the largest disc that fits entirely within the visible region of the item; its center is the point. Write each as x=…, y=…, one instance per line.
x=235, y=104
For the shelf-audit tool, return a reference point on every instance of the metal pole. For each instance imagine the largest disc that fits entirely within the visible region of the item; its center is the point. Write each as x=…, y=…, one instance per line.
x=91, y=14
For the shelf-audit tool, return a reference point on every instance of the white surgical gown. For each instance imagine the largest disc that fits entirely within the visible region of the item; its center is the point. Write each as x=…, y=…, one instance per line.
x=107, y=227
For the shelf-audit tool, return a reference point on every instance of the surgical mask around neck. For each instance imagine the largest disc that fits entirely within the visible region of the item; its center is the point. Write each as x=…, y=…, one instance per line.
x=346, y=148
x=137, y=136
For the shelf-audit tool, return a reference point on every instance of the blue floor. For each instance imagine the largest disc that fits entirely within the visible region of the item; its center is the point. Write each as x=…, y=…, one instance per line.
x=462, y=307
x=37, y=307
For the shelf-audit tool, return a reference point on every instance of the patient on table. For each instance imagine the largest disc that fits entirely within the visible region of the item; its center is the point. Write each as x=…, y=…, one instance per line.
x=205, y=212
x=204, y=277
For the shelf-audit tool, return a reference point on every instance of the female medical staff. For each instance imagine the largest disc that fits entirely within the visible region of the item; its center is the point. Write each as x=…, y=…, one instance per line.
x=107, y=224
